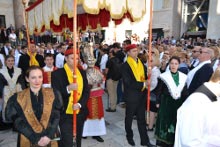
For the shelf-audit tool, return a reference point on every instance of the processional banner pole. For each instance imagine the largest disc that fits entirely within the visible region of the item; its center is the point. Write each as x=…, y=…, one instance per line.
x=74, y=66
x=24, y=2
x=150, y=56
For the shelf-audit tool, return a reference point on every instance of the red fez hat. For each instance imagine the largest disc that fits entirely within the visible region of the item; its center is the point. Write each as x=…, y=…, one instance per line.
x=130, y=46
x=32, y=42
x=70, y=51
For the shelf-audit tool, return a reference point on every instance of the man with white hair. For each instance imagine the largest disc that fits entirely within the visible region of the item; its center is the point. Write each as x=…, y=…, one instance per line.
x=202, y=72
x=197, y=123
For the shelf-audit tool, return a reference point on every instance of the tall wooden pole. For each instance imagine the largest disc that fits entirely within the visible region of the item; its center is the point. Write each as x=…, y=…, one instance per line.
x=74, y=65
x=26, y=23
x=150, y=58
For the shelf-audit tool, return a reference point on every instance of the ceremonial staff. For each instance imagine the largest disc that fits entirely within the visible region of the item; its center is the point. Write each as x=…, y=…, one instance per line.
x=74, y=68
x=150, y=56
x=24, y=2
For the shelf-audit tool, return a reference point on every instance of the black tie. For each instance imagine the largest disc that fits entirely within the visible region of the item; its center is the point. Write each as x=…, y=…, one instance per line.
x=194, y=61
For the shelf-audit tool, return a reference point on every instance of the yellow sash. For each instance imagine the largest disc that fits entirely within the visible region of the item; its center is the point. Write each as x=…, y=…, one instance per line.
x=79, y=81
x=137, y=69
x=33, y=60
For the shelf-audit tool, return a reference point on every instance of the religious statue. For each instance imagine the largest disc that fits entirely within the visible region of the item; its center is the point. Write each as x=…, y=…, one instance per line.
x=95, y=123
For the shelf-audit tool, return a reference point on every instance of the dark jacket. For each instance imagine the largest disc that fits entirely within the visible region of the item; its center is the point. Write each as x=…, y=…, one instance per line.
x=133, y=92
x=59, y=82
x=202, y=75
x=24, y=62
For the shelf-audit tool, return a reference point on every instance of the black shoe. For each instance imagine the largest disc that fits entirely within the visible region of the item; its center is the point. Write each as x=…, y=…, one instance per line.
x=110, y=110
x=98, y=138
x=84, y=137
x=148, y=145
x=131, y=142
x=150, y=130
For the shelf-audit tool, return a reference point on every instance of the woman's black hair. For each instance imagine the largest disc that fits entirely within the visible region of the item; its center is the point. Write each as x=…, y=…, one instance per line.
x=9, y=56
x=175, y=58
x=33, y=67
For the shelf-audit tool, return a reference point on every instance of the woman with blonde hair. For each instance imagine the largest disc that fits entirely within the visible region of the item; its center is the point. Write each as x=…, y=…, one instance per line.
x=215, y=58
x=155, y=73
x=183, y=67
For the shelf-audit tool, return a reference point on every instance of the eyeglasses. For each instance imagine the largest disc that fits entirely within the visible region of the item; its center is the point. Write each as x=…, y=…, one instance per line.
x=203, y=52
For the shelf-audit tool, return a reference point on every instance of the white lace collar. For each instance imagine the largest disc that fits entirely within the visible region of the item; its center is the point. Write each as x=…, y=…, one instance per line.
x=175, y=91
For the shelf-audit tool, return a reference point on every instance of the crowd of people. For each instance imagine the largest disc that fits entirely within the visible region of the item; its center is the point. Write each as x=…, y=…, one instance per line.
x=37, y=85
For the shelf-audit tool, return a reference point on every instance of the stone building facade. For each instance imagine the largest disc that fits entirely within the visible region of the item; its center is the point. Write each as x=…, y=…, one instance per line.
x=12, y=12
x=167, y=18
x=7, y=13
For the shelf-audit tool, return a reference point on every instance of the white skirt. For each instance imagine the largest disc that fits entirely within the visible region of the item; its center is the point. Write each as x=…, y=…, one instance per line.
x=94, y=127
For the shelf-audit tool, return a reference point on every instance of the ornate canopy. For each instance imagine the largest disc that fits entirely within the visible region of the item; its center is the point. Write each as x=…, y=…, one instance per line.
x=58, y=14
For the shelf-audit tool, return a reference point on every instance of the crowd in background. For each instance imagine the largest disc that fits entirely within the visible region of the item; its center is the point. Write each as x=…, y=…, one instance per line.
x=196, y=58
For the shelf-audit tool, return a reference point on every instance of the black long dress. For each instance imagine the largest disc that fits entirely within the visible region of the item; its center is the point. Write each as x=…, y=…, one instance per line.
x=15, y=114
x=166, y=120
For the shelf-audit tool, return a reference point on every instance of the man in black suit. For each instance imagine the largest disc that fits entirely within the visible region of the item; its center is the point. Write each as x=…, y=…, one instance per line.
x=6, y=48
x=202, y=72
x=62, y=80
x=31, y=58
x=134, y=77
x=195, y=54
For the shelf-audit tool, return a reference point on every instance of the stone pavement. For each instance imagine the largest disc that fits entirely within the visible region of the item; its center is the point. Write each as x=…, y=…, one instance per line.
x=115, y=136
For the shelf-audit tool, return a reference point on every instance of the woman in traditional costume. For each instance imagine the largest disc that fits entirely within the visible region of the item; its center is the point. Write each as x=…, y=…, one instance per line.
x=11, y=81
x=171, y=92
x=35, y=112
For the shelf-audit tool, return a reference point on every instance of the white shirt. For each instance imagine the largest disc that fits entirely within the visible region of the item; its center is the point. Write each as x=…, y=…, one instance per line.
x=195, y=62
x=104, y=59
x=154, y=77
x=12, y=37
x=7, y=49
x=2, y=59
x=215, y=64
x=51, y=51
x=198, y=123
x=17, y=57
x=59, y=60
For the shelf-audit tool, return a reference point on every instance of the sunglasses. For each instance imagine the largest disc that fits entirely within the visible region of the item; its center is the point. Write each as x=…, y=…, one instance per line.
x=203, y=52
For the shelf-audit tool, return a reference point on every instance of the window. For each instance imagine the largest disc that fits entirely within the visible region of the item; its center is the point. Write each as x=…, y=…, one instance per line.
x=128, y=33
x=2, y=21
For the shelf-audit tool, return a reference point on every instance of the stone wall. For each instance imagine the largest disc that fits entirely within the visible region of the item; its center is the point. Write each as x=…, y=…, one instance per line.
x=18, y=13
x=213, y=30
x=168, y=18
x=6, y=8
